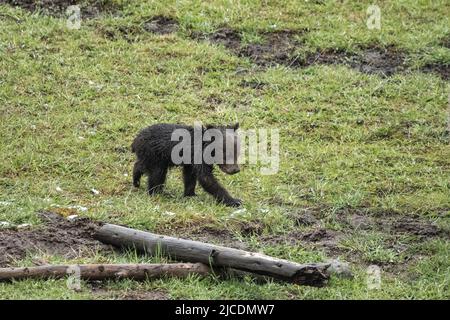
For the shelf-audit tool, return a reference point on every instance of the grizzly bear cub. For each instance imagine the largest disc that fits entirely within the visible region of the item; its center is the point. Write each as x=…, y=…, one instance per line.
x=159, y=148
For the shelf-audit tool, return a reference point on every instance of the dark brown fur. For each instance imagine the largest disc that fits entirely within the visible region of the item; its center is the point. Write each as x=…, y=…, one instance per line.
x=153, y=148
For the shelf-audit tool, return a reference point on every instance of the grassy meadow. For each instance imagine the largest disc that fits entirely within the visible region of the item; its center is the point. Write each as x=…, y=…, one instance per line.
x=365, y=157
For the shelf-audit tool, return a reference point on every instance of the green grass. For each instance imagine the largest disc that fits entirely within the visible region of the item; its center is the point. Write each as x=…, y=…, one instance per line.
x=71, y=102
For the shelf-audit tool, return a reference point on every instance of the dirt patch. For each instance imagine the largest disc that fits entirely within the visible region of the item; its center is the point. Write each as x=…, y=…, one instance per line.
x=417, y=227
x=229, y=38
x=161, y=25
x=391, y=222
x=443, y=70
x=371, y=60
x=58, y=236
x=57, y=8
x=277, y=47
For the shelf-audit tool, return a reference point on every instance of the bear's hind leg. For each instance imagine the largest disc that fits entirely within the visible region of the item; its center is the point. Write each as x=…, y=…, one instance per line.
x=190, y=181
x=156, y=179
x=138, y=171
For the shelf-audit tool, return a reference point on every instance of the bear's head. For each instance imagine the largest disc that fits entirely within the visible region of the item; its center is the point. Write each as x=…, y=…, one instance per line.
x=227, y=140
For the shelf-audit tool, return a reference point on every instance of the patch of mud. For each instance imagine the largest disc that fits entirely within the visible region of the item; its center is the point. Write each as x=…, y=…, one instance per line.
x=161, y=25
x=229, y=38
x=391, y=223
x=57, y=8
x=416, y=227
x=371, y=60
x=277, y=47
x=58, y=236
x=443, y=70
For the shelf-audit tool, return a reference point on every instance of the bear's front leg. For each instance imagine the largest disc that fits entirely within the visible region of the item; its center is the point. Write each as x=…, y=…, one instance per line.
x=190, y=181
x=213, y=187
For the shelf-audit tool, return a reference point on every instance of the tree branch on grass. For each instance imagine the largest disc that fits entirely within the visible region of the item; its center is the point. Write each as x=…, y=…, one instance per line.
x=314, y=274
x=106, y=271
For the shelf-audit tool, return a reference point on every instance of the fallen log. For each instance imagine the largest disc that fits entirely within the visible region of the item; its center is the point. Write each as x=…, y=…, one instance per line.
x=314, y=274
x=105, y=271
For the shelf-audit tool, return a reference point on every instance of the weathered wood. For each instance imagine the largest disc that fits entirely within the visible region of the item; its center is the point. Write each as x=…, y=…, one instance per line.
x=213, y=255
x=106, y=271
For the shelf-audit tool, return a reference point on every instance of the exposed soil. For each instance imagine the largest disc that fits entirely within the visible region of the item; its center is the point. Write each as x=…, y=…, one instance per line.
x=277, y=47
x=371, y=60
x=161, y=25
x=58, y=236
x=395, y=226
x=57, y=8
x=443, y=70
x=229, y=38
x=417, y=227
